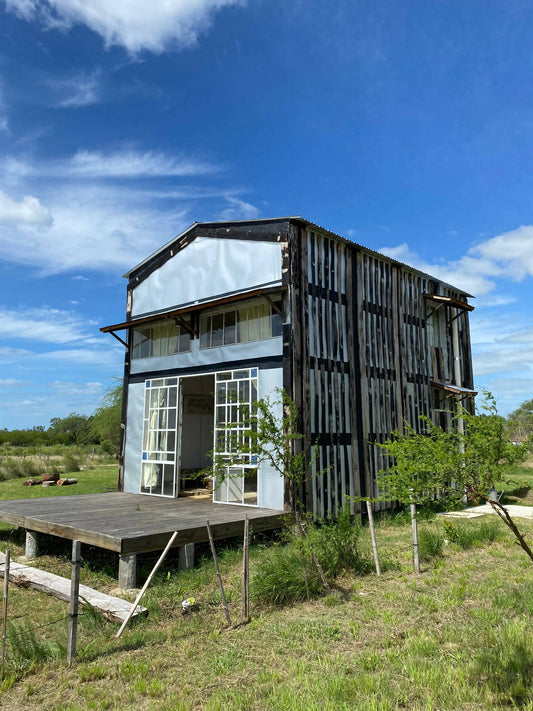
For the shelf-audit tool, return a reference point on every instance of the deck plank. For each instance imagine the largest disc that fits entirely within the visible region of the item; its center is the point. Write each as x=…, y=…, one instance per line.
x=133, y=523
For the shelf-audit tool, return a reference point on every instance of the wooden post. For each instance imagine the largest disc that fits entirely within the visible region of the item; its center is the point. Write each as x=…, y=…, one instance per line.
x=74, y=602
x=32, y=545
x=147, y=583
x=373, y=536
x=220, y=583
x=416, y=556
x=245, y=595
x=4, y=617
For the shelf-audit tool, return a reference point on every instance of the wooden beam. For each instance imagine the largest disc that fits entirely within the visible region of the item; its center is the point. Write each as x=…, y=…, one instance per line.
x=113, y=608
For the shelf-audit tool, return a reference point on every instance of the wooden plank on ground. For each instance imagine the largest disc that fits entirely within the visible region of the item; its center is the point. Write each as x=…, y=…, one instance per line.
x=113, y=608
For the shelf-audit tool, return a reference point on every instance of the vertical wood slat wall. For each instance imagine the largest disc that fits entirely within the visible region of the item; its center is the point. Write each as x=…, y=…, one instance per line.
x=361, y=361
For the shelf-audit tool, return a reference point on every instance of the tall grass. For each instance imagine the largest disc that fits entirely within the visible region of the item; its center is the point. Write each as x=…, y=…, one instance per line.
x=470, y=534
x=287, y=573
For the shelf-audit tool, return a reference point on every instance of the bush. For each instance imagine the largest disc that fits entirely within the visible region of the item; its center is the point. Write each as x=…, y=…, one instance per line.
x=71, y=462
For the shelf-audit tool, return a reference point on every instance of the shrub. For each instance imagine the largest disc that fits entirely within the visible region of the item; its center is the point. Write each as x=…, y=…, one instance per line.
x=71, y=462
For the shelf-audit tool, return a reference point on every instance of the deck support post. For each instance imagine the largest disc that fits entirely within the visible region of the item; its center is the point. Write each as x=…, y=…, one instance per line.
x=127, y=571
x=32, y=544
x=186, y=556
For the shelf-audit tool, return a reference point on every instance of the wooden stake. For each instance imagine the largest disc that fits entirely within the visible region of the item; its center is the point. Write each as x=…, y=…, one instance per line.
x=245, y=595
x=147, y=583
x=74, y=602
x=215, y=561
x=416, y=555
x=373, y=536
x=4, y=618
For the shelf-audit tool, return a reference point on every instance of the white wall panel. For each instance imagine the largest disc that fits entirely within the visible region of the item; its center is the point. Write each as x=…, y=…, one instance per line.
x=134, y=438
x=205, y=269
x=271, y=484
x=210, y=356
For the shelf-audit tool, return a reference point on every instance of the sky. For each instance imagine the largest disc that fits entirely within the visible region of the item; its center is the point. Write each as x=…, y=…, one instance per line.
x=407, y=127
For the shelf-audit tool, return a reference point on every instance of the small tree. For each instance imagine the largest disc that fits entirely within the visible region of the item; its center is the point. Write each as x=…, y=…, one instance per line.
x=424, y=465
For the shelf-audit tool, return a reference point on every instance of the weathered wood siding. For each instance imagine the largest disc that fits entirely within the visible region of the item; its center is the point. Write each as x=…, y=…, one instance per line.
x=363, y=358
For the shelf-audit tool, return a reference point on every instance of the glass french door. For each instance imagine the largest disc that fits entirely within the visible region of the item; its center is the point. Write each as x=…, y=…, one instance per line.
x=235, y=395
x=162, y=418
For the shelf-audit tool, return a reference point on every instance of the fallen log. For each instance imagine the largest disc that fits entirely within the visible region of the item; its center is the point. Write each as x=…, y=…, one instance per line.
x=66, y=482
x=49, y=483
x=113, y=608
x=32, y=482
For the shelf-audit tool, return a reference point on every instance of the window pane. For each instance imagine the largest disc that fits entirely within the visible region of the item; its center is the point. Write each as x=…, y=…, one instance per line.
x=217, y=330
x=277, y=325
x=205, y=327
x=229, y=327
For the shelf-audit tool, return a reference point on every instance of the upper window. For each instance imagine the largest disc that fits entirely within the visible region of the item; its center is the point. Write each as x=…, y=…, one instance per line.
x=252, y=320
x=162, y=338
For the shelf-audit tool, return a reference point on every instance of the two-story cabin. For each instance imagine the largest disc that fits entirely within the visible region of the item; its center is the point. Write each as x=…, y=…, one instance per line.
x=235, y=311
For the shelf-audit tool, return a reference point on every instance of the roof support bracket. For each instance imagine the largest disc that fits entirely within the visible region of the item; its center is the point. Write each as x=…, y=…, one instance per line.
x=119, y=338
x=274, y=306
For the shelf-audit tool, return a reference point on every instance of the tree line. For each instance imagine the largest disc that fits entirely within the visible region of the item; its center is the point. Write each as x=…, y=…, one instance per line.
x=101, y=428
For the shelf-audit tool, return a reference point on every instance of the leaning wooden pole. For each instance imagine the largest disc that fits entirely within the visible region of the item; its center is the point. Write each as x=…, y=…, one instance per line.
x=74, y=602
x=4, y=617
x=220, y=583
x=147, y=583
x=372, y=528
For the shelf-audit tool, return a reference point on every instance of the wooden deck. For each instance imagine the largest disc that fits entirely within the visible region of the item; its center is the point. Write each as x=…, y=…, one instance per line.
x=133, y=523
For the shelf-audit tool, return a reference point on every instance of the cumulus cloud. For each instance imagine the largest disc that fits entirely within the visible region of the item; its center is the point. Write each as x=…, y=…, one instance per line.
x=28, y=211
x=506, y=256
x=133, y=24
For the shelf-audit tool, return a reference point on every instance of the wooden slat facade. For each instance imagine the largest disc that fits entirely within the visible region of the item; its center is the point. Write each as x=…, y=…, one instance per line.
x=366, y=344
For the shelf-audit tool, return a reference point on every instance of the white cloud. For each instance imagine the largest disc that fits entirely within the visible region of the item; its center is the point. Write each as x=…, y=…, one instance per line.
x=238, y=210
x=93, y=228
x=128, y=163
x=84, y=389
x=506, y=256
x=28, y=211
x=12, y=383
x=81, y=90
x=133, y=24
x=45, y=325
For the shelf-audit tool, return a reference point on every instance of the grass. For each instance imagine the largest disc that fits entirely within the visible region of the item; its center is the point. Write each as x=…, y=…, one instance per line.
x=456, y=637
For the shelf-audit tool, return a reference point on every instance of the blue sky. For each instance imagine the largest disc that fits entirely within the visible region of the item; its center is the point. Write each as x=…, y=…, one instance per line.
x=407, y=127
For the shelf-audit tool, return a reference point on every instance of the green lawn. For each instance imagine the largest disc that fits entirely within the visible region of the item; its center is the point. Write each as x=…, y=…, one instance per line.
x=90, y=481
x=458, y=636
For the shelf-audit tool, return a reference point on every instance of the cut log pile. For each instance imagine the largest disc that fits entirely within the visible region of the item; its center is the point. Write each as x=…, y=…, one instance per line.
x=49, y=482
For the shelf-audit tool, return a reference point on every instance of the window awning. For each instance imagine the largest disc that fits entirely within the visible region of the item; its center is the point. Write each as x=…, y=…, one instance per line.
x=454, y=389
x=198, y=306
x=448, y=301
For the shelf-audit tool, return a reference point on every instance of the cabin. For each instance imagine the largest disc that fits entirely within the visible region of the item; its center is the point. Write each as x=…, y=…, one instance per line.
x=229, y=312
